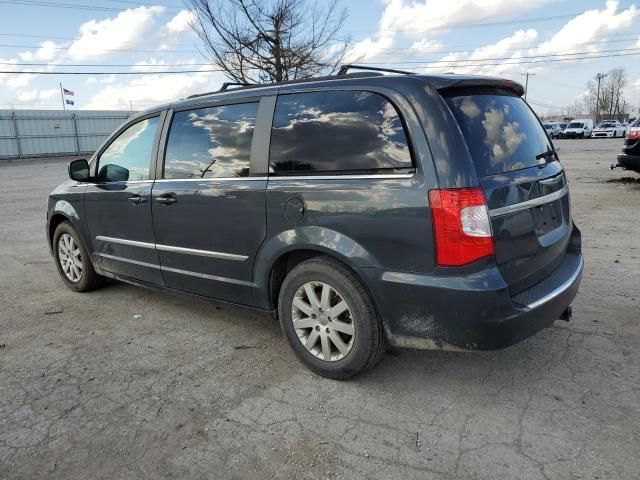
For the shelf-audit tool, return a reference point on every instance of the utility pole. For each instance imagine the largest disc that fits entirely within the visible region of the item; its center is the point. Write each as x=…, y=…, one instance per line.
x=526, y=82
x=599, y=77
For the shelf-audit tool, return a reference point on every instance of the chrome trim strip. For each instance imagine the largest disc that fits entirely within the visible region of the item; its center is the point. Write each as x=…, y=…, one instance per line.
x=202, y=253
x=207, y=277
x=177, y=270
x=209, y=179
x=169, y=248
x=516, y=207
x=341, y=177
x=128, y=182
x=557, y=291
x=128, y=260
x=123, y=241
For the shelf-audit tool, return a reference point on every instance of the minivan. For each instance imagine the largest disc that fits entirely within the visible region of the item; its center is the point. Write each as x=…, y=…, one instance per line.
x=579, y=128
x=362, y=210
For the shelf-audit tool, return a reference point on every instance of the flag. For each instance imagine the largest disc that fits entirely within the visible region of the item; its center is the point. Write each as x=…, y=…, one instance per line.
x=68, y=102
x=68, y=92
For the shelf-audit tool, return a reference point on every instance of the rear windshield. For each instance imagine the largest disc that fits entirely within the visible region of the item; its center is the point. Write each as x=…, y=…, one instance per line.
x=501, y=131
x=576, y=125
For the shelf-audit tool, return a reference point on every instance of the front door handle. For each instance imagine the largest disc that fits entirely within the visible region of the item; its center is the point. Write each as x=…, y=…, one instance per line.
x=137, y=199
x=167, y=199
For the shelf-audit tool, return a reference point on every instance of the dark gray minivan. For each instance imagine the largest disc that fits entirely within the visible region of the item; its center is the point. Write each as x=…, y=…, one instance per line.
x=421, y=211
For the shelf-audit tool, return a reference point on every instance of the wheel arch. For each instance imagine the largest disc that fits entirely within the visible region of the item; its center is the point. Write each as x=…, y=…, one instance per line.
x=283, y=253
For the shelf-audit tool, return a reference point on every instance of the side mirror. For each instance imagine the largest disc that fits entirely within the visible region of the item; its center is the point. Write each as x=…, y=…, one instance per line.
x=79, y=170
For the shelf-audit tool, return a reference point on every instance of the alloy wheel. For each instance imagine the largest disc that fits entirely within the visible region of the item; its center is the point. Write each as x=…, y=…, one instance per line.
x=70, y=257
x=323, y=322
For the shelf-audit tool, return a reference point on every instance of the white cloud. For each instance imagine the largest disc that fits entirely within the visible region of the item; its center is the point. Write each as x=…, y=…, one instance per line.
x=467, y=62
x=368, y=49
x=34, y=95
x=181, y=22
x=421, y=17
x=47, y=50
x=98, y=38
x=19, y=80
x=585, y=28
x=425, y=46
x=401, y=17
x=148, y=90
x=152, y=64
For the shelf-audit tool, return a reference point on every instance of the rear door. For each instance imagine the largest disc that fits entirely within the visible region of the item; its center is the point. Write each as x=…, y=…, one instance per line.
x=209, y=202
x=524, y=184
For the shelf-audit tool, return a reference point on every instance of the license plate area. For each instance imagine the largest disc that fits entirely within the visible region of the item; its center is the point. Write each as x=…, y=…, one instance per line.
x=548, y=217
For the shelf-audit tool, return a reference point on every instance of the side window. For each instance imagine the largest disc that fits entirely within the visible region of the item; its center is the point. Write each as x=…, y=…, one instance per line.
x=211, y=142
x=337, y=132
x=128, y=157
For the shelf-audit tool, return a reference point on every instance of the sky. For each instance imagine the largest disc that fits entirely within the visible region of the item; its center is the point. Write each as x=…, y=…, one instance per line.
x=566, y=44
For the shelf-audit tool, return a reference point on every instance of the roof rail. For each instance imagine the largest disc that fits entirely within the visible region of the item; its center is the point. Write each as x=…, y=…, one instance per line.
x=225, y=86
x=344, y=69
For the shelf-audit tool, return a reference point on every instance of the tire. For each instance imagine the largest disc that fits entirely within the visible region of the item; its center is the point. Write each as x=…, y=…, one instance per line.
x=361, y=332
x=615, y=134
x=80, y=276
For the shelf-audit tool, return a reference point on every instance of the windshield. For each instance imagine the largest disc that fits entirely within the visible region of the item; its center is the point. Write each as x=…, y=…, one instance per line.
x=563, y=125
x=576, y=125
x=607, y=125
x=501, y=131
x=548, y=126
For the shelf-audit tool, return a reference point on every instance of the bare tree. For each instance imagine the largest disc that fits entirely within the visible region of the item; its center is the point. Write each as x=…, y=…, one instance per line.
x=611, y=103
x=259, y=41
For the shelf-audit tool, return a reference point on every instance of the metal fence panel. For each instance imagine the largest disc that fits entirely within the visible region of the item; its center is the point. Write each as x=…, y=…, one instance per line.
x=34, y=133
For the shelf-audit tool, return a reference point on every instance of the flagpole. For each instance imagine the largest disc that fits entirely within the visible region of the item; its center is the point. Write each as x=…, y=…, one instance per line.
x=64, y=107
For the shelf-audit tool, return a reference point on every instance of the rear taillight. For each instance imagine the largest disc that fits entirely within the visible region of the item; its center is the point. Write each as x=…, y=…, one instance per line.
x=461, y=226
x=634, y=132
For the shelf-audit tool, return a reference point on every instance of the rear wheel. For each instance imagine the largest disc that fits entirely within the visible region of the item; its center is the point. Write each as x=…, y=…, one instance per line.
x=72, y=260
x=329, y=319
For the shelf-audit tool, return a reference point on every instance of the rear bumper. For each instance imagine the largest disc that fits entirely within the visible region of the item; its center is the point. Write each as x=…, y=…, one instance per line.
x=629, y=162
x=473, y=312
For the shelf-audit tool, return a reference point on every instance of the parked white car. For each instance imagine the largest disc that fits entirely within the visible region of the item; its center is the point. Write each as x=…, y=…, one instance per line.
x=609, y=129
x=579, y=128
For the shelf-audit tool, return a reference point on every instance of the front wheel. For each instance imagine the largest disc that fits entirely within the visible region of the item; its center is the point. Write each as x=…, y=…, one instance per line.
x=329, y=319
x=72, y=260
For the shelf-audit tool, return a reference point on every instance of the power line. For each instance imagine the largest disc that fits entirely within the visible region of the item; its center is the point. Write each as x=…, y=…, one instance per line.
x=611, y=38
x=90, y=50
x=540, y=57
x=635, y=49
x=452, y=64
x=109, y=73
x=78, y=6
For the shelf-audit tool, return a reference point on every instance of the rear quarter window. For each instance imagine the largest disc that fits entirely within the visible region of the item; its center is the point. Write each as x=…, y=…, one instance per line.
x=337, y=132
x=501, y=131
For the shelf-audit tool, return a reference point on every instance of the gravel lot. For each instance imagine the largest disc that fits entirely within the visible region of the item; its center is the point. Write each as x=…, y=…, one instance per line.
x=129, y=383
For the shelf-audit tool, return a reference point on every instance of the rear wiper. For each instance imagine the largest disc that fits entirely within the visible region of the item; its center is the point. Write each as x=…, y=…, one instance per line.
x=546, y=155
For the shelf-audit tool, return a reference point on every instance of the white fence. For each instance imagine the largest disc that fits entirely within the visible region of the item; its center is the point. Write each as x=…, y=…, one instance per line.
x=41, y=133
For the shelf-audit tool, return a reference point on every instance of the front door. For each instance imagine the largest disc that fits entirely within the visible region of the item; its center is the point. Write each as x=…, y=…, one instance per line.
x=208, y=211
x=118, y=204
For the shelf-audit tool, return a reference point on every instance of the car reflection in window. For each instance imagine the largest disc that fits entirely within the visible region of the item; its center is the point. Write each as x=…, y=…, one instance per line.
x=337, y=132
x=211, y=142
